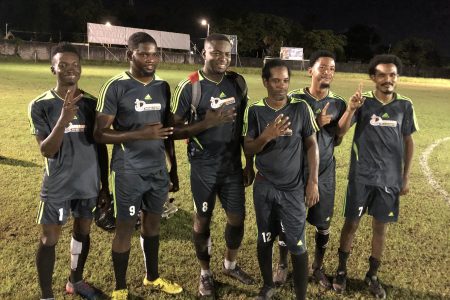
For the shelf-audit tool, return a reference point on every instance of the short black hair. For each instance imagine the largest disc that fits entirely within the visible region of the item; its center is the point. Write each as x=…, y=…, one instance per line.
x=318, y=54
x=384, y=59
x=139, y=37
x=217, y=37
x=273, y=63
x=64, y=47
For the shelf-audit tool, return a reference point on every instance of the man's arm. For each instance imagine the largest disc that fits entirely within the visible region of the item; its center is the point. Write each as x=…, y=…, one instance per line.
x=105, y=135
x=213, y=117
x=355, y=102
x=312, y=152
x=273, y=130
x=50, y=145
x=409, y=151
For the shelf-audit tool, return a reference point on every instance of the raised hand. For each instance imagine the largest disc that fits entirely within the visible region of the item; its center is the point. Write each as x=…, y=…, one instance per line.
x=276, y=128
x=155, y=131
x=69, y=109
x=215, y=117
x=324, y=119
x=357, y=100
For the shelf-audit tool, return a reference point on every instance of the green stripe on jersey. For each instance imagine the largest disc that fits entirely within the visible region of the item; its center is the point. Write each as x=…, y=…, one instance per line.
x=176, y=95
x=245, y=123
x=101, y=96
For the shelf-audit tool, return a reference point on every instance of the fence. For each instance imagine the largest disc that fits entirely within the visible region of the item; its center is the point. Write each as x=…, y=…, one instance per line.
x=41, y=51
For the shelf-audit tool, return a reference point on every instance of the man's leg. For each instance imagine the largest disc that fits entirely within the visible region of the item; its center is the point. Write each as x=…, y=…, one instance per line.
x=281, y=270
x=321, y=238
x=45, y=258
x=347, y=235
x=121, y=250
x=379, y=230
x=202, y=243
x=150, y=243
x=79, y=248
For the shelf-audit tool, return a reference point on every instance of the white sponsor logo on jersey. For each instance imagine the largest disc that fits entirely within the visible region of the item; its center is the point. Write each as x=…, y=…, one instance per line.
x=378, y=121
x=143, y=106
x=217, y=102
x=74, y=128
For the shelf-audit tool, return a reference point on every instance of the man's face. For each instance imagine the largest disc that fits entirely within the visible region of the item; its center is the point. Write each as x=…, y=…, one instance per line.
x=144, y=59
x=385, y=78
x=322, y=72
x=66, y=66
x=278, y=84
x=217, y=55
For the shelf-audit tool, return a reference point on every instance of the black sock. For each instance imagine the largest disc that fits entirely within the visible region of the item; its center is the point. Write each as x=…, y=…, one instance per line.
x=374, y=264
x=150, y=247
x=322, y=237
x=283, y=248
x=45, y=262
x=300, y=268
x=120, y=263
x=264, y=251
x=201, y=241
x=343, y=257
x=77, y=273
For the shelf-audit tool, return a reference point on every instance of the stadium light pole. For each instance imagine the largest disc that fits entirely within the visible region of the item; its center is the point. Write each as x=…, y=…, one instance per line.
x=205, y=23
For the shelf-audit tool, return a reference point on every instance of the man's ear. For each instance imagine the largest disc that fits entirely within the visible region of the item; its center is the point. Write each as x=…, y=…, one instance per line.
x=203, y=53
x=129, y=54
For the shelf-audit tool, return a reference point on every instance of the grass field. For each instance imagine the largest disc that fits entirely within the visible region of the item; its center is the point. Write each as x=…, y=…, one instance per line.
x=416, y=264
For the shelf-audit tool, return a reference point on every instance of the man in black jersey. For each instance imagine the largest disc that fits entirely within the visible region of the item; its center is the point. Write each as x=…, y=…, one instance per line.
x=62, y=119
x=214, y=152
x=380, y=163
x=328, y=108
x=136, y=104
x=280, y=130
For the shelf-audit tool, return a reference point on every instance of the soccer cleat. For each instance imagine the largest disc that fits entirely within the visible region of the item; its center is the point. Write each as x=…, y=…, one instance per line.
x=266, y=293
x=280, y=274
x=120, y=295
x=375, y=287
x=238, y=274
x=340, y=282
x=169, y=208
x=81, y=288
x=321, y=278
x=206, y=286
x=163, y=285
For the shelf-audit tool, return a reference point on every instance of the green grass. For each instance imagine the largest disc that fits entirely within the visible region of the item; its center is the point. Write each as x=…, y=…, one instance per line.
x=416, y=263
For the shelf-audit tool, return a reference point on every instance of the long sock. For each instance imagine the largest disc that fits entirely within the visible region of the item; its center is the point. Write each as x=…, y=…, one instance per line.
x=265, y=262
x=282, y=247
x=322, y=237
x=120, y=263
x=374, y=264
x=150, y=248
x=343, y=257
x=45, y=262
x=300, y=268
x=202, y=243
x=79, y=249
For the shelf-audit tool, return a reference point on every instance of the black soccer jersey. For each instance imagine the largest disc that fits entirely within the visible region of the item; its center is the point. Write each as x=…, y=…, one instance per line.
x=135, y=104
x=281, y=160
x=220, y=143
x=74, y=172
x=326, y=134
x=377, y=150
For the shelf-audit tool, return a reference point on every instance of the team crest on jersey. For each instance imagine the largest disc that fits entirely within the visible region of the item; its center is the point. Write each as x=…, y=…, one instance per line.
x=378, y=121
x=144, y=106
x=74, y=128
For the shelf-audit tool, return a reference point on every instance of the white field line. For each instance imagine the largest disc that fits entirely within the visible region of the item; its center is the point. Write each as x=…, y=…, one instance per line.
x=427, y=171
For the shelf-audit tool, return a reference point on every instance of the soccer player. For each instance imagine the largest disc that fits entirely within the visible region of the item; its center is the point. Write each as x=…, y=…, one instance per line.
x=214, y=152
x=279, y=130
x=328, y=108
x=380, y=163
x=136, y=104
x=62, y=119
